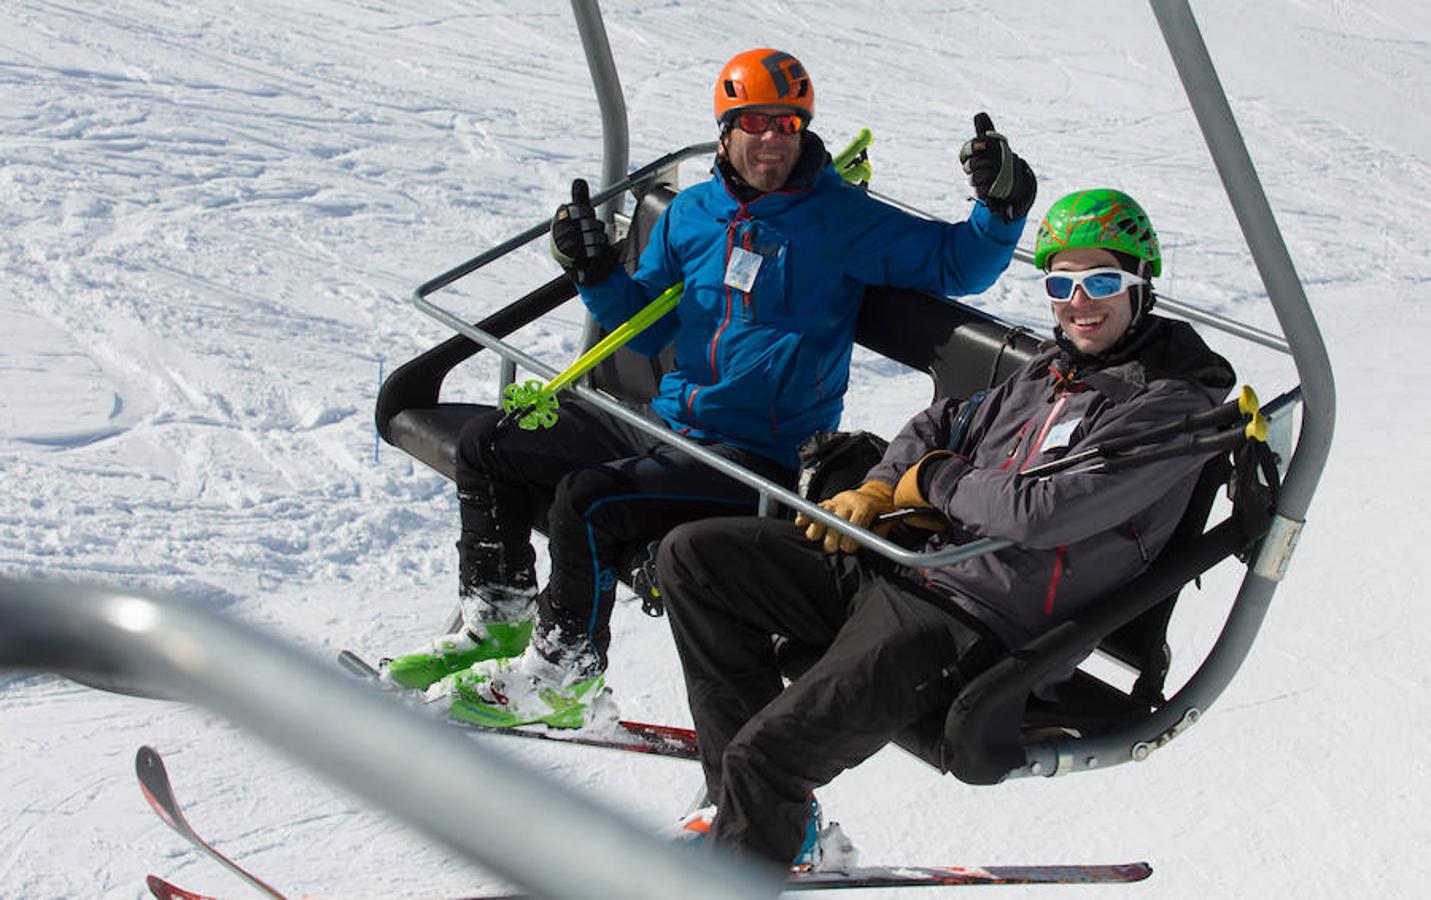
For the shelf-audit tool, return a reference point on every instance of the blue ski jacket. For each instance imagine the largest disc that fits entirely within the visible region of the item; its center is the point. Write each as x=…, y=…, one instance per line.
x=762, y=362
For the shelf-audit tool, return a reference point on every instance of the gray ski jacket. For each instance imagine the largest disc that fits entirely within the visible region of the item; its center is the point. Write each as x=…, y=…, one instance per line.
x=1077, y=534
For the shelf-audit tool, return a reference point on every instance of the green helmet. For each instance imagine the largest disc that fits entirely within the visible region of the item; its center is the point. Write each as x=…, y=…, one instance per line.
x=1098, y=217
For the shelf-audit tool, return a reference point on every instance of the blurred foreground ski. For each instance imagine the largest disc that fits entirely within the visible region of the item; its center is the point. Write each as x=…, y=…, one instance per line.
x=957, y=876
x=633, y=737
x=154, y=781
x=865, y=877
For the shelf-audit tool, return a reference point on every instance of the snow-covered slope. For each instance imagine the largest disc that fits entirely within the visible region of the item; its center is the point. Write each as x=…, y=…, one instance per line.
x=213, y=214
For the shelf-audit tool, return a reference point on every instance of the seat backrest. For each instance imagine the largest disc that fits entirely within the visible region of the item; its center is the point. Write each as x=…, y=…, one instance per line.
x=626, y=374
x=1142, y=644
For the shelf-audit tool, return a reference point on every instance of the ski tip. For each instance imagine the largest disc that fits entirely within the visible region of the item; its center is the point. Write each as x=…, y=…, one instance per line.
x=147, y=760
x=163, y=890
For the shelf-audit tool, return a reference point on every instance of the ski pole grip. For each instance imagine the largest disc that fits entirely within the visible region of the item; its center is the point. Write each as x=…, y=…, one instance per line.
x=862, y=140
x=1246, y=405
x=1256, y=429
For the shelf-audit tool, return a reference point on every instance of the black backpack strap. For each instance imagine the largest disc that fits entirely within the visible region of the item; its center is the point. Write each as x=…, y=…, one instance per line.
x=959, y=431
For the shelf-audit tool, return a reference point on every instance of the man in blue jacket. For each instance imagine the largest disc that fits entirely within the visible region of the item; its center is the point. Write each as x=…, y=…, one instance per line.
x=775, y=252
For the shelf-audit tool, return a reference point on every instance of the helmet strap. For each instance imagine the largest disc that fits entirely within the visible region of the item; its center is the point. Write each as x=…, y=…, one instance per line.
x=1141, y=295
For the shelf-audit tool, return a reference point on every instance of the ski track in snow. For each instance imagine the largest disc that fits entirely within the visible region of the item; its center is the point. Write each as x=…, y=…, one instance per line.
x=216, y=214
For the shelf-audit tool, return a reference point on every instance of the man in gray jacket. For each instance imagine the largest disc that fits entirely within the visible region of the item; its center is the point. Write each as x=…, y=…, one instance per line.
x=890, y=656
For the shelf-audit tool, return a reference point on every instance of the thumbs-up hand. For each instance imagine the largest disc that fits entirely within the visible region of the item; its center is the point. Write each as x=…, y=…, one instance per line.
x=579, y=243
x=999, y=177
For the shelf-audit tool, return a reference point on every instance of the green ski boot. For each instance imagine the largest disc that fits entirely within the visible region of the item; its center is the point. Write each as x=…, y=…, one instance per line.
x=504, y=693
x=456, y=652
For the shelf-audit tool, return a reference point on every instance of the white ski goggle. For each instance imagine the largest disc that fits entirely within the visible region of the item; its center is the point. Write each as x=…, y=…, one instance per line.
x=1096, y=283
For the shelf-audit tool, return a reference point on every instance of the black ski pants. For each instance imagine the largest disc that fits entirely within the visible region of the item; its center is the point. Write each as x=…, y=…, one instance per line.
x=607, y=490
x=886, y=658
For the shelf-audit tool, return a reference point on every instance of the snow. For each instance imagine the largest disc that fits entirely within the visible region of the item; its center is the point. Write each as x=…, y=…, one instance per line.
x=214, y=215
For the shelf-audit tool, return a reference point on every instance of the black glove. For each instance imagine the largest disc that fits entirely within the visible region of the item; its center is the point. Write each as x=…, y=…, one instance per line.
x=579, y=243
x=999, y=177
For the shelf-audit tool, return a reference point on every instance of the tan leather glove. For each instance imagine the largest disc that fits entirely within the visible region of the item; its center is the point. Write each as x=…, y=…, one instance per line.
x=906, y=493
x=907, y=496
x=859, y=506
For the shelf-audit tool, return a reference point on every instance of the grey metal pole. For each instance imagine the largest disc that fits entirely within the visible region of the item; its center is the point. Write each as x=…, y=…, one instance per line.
x=1318, y=394
x=769, y=491
x=1284, y=290
x=511, y=821
x=614, y=133
x=1269, y=251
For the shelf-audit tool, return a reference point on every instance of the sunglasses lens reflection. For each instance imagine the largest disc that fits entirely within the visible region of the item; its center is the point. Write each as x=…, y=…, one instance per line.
x=1103, y=284
x=759, y=123
x=1059, y=287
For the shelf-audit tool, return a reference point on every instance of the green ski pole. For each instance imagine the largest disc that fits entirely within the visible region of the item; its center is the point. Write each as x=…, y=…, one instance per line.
x=853, y=162
x=532, y=405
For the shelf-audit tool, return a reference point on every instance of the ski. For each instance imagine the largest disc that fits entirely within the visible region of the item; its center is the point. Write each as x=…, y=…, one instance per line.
x=633, y=737
x=870, y=877
x=866, y=877
x=154, y=782
x=163, y=890
x=958, y=876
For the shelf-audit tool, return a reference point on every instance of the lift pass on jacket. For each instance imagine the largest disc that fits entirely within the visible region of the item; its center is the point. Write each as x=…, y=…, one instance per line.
x=740, y=272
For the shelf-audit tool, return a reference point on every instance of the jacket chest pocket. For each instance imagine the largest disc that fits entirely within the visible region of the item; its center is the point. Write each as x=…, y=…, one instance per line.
x=760, y=247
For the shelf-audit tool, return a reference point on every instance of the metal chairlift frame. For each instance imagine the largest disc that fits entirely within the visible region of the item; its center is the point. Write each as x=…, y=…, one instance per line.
x=160, y=646
x=1303, y=343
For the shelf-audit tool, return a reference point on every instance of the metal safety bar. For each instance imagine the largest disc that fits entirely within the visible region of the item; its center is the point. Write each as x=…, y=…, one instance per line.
x=510, y=820
x=642, y=176
x=768, y=490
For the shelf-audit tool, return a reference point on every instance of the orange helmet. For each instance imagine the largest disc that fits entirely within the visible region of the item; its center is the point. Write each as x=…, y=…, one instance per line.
x=763, y=77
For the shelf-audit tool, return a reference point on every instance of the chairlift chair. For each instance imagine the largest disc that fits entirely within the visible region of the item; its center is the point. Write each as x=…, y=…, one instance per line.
x=997, y=727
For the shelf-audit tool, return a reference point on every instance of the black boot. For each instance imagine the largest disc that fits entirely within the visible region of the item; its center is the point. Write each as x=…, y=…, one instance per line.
x=495, y=575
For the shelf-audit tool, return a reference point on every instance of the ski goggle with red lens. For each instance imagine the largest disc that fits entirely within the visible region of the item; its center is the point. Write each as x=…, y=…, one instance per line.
x=1096, y=283
x=759, y=123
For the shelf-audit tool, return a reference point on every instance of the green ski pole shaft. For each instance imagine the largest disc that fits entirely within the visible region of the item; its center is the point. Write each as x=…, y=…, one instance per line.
x=619, y=336
x=531, y=404
x=857, y=146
